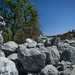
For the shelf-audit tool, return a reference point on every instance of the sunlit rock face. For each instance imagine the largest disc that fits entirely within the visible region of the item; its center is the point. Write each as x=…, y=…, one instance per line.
x=7, y=67
x=54, y=55
x=30, y=43
x=9, y=47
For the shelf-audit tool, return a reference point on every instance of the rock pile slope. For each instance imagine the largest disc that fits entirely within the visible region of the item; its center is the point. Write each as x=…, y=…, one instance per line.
x=46, y=56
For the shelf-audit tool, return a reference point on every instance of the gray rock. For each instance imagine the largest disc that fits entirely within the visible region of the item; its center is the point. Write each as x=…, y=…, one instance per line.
x=23, y=45
x=14, y=57
x=30, y=43
x=68, y=55
x=47, y=53
x=40, y=45
x=63, y=65
x=62, y=47
x=71, y=42
x=66, y=41
x=52, y=55
x=41, y=39
x=7, y=67
x=49, y=70
x=55, y=41
x=47, y=42
x=9, y=48
x=32, y=59
x=73, y=71
x=68, y=71
x=2, y=53
x=68, y=52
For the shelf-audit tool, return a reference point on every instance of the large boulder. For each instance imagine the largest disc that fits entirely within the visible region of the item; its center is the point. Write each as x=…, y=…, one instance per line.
x=62, y=47
x=14, y=57
x=32, y=59
x=7, y=67
x=55, y=41
x=49, y=70
x=67, y=52
x=52, y=55
x=9, y=47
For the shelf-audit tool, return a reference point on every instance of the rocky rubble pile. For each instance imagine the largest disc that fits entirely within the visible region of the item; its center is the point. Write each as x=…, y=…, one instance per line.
x=45, y=56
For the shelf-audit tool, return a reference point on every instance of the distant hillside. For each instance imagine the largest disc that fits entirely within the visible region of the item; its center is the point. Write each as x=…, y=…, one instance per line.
x=68, y=35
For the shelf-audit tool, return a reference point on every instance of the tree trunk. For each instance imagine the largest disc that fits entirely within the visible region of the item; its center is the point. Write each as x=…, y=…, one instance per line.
x=12, y=37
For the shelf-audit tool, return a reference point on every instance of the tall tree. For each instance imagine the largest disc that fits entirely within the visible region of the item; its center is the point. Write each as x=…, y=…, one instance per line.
x=20, y=15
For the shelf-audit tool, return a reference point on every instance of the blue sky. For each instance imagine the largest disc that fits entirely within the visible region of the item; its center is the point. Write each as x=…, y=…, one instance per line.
x=55, y=16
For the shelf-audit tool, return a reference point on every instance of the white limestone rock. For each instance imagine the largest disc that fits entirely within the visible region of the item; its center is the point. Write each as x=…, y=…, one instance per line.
x=7, y=67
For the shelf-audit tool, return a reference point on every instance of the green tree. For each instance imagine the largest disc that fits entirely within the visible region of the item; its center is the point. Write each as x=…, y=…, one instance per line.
x=19, y=15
